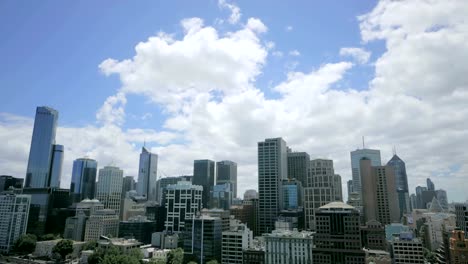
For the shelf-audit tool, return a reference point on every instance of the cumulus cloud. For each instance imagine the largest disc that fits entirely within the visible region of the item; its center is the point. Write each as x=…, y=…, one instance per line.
x=360, y=55
x=234, y=9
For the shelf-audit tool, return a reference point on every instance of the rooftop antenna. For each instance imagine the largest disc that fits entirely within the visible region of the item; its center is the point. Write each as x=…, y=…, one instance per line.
x=144, y=143
x=363, y=143
x=394, y=150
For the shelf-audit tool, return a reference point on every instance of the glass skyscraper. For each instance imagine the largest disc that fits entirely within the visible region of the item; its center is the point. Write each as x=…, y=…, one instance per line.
x=401, y=181
x=204, y=175
x=147, y=175
x=371, y=154
x=39, y=171
x=226, y=172
x=83, y=183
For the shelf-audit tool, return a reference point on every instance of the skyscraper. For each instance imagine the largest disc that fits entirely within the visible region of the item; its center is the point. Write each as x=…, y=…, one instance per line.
x=204, y=175
x=182, y=201
x=379, y=196
x=226, y=172
x=371, y=154
x=83, y=182
x=127, y=185
x=109, y=188
x=14, y=211
x=401, y=181
x=56, y=166
x=147, y=175
x=272, y=170
x=298, y=166
x=40, y=162
x=430, y=185
x=350, y=186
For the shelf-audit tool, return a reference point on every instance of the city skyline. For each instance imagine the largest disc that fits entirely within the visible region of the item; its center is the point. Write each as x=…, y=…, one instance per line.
x=261, y=96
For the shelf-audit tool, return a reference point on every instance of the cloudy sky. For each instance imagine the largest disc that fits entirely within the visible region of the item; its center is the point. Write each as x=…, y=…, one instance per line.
x=210, y=79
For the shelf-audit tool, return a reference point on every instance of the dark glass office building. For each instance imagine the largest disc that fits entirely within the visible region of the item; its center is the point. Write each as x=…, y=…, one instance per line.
x=7, y=181
x=138, y=228
x=83, y=183
x=204, y=175
x=226, y=172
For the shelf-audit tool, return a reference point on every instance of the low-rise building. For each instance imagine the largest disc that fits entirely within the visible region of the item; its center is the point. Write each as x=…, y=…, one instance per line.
x=238, y=238
x=102, y=223
x=458, y=247
x=406, y=249
x=292, y=247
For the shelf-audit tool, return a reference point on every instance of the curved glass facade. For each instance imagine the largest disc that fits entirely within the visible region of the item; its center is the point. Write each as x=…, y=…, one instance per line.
x=83, y=183
x=57, y=162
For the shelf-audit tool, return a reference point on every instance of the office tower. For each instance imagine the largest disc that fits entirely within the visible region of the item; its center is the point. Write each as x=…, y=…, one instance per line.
x=56, y=169
x=442, y=198
x=419, y=198
x=430, y=185
x=413, y=201
x=109, y=188
x=458, y=247
x=224, y=215
x=373, y=236
x=132, y=206
x=350, y=187
x=40, y=162
x=298, y=166
x=406, y=249
x=139, y=228
x=83, y=181
x=292, y=247
x=14, y=211
x=372, y=154
x=379, y=196
x=238, y=238
x=103, y=222
x=182, y=201
x=324, y=187
x=128, y=184
x=204, y=175
x=426, y=198
x=147, y=175
x=204, y=235
x=292, y=194
x=461, y=216
x=221, y=196
x=75, y=225
x=401, y=181
x=226, y=172
x=7, y=181
x=164, y=182
x=48, y=210
x=250, y=194
x=272, y=170
x=338, y=238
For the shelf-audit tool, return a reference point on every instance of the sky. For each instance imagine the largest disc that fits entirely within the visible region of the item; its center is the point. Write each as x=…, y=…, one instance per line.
x=209, y=79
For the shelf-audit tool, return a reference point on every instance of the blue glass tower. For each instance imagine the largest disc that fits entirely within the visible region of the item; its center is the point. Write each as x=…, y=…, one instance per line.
x=83, y=183
x=401, y=182
x=147, y=175
x=38, y=173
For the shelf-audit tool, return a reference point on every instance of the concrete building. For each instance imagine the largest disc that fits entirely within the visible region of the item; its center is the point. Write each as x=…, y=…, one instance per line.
x=461, y=214
x=138, y=227
x=234, y=241
x=128, y=184
x=458, y=248
x=272, y=170
x=109, y=188
x=377, y=256
x=124, y=245
x=182, y=201
x=292, y=247
x=394, y=230
x=324, y=186
x=250, y=194
x=7, y=181
x=226, y=172
x=204, y=175
x=254, y=256
x=372, y=154
x=165, y=240
x=166, y=181
x=338, y=237
x=75, y=226
x=133, y=206
x=373, y=236
x=406, y=249
x=379, y=196
x=148, y=175
x=14, y=211
x=298, y=166
x=204, y=235
x=102, y=223
x=83, y=181
x=45, y=248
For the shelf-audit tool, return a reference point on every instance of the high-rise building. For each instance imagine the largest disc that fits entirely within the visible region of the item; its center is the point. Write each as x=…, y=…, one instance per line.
x=272, y=170
x=109, y=188
x=83, y=182
x=7, y=181
x=102, y=223
x=166, y=181
x=406, y=249
x=458, y=247
x=292, y=247
x=372, y=154
x=324, y=186
x=147, y=175
x=182, y=201
x=238, y=238
x=442, y=198
x=430, y=185
x=221, y=196
x=128, y=184
x=461, y=217
x=41, y=154
x=226, y=172
x=292, y=194
x=413, y=201
x=14, y=211
x=338, y=238
x=379, y=196
x=205, y=234
x=401, y=181
x=350, y=187
x=56, y=169
x=204, y=175
x=298, y=166
x=75, y=226
x=139, y=228
x=419, y=199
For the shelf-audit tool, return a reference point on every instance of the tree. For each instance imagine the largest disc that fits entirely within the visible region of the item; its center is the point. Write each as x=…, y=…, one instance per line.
x=47, y=237
x=25, y=244
x=90, y=245
x=213, y=261
x=157, y=261
x=63, y=248
x=175, y=256
x=192, y=262
x=118, y=259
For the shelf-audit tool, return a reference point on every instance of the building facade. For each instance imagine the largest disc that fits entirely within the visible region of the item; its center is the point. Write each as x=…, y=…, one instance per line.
x=102, y=223
x=461, y=214
x=226, y=172
x=406, y=249
x=7, y=181
x=221, y=196
x=204, y=175
x=204, y=235
x=139, y=228
x=234, y=241
x=109, y=187
x=272, y=170
x=458, y=247
x=372, y=154
x=83, y=182
x=75, y=226
x=298, y=166
x=14, y=211
x=148, y=175
x=182, y=201
x=292, y=247
x=401, y=182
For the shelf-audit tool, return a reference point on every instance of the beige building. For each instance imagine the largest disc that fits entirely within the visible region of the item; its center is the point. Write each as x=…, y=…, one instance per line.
x=458, y=248
x=109, y=187
x=102, y=223
x=379, y=196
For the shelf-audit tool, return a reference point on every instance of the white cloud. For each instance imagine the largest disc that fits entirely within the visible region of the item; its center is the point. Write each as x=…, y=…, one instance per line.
x=235, y=11
x=289, y=28
x=294, y=53
x=256, y=25
x=277, y=53
x=360, y=55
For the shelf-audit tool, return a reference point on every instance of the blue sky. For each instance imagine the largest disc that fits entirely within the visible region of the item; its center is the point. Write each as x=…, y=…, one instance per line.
x=173, y=74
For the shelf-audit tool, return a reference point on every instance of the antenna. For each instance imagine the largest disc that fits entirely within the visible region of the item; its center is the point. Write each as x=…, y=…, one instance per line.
x=363, y=143
x=394, y=150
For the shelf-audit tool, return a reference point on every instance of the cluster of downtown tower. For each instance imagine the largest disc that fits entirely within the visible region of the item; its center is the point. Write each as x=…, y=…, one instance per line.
x=297, y=215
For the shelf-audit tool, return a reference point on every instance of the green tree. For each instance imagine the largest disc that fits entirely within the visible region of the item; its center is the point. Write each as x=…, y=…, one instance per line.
x=157, y=261
x=119, y=259
x=192, y=262
x=213, y=261
x=175, y=256
x=63, y=248
x=90, y=245
x=25, y=244
x=47, y=237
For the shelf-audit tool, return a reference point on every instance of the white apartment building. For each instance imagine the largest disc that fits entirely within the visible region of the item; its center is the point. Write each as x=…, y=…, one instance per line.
x=14, y=212
x=238, y=238
x=290, y=247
